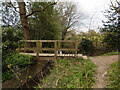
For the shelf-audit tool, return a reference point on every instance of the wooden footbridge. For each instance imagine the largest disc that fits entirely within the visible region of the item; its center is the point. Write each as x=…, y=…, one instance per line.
x=54, y=48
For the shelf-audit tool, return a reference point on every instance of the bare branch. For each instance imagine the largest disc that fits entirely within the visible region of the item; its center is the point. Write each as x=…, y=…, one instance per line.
x=35, y=11
x=115, y=7
x=10, y=4
x=117, y=2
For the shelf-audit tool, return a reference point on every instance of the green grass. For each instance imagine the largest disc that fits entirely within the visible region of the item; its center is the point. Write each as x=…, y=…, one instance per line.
x=77, y=73
x=110, y=53
x=113, y=76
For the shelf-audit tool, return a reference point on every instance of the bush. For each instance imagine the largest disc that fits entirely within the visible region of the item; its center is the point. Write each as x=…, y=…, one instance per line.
x=111, y=40
x=86, y=47
x=17, y=61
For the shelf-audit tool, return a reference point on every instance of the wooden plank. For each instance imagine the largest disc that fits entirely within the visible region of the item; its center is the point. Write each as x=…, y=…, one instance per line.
x=76, y=48
x=47, y=54
x=52, y=49
x=47, y=49
x=37, y=49
x=40, y=47
x=37, y=40
x=25, y=47
x=31, y=49
x=66, y=49
x=28, y=40
x=50, y=40
x=55, y=51
x=69, y=41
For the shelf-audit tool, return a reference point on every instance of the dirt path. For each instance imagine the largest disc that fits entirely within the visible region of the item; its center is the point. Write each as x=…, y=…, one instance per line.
x=102, y=63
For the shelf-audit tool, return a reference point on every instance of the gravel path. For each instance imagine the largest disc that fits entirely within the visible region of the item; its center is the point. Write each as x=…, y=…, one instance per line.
x=102, y=63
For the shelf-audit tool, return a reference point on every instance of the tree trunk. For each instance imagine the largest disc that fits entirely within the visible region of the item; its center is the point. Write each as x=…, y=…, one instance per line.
x=23, y=19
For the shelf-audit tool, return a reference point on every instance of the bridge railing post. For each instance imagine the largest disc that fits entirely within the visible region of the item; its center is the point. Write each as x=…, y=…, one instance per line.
x=76, y=48
x=55, y=51
x=40, y=47
x=37, y=49
x=25, y=47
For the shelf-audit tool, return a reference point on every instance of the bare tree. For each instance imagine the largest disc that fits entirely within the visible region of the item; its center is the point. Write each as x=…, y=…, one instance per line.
x=68, y=17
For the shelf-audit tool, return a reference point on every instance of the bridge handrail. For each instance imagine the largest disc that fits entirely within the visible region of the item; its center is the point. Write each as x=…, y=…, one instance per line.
x=55, y=49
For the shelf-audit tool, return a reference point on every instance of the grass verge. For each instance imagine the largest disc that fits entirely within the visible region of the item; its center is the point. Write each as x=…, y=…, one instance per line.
x=110, y=53
x=113, y=75
x=70, y=73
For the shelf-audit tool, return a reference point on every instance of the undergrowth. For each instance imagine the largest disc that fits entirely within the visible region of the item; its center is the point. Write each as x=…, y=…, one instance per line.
x=77, y=73
x=16, y=61
x=113, y=76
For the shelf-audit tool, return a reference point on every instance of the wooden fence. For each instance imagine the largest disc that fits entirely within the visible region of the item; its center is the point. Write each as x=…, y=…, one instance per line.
x=57, y=46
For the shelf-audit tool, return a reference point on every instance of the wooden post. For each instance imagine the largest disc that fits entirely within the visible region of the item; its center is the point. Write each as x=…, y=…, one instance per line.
x=55, y=51
x=40, y=47
x=25, y=46
x=37, y=49
x=76, y=47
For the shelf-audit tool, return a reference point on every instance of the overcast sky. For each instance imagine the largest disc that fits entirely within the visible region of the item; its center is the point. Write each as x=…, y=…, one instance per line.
x=94, y=10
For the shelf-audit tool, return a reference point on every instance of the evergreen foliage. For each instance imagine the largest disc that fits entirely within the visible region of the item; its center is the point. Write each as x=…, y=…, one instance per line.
x=111, y=29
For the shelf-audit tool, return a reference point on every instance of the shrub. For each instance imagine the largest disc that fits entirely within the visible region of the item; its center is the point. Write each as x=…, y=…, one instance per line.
x=86, y=47
x=17, y=61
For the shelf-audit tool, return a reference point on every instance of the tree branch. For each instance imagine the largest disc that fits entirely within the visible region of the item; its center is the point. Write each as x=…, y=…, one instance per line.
x=35, y=11
x=115, y=7
x=10, y=4
x=117, y=2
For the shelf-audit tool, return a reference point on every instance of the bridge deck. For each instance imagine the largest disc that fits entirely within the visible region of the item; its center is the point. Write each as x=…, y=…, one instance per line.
x=52, y=55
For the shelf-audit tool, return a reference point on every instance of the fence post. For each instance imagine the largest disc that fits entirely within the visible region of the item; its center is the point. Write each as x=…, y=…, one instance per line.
x=37, y=49
x=40, y=47
x=55, y=51
x=25, y=47
x=76, y=47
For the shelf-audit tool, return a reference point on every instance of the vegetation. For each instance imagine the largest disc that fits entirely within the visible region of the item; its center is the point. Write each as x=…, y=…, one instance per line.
x=110, y=53
x=111, y=29
x=57, y=21
x=44, y=25
x=113, y=77
x=86, y=47
x=70, y=73
x=95, y=37
x=16, y=61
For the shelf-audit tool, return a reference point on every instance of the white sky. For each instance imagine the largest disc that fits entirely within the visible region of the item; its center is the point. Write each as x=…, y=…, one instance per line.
x=94, y=10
